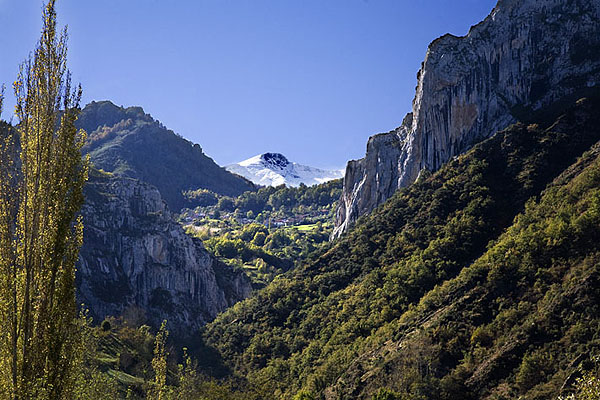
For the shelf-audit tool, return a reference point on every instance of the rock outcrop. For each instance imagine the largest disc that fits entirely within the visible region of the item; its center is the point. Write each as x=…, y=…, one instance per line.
x=136, y=256
x=525, y=56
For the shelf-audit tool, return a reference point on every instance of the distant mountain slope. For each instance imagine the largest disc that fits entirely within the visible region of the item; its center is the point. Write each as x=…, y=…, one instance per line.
x=432, y=296
x=274, y=169
x=129, y=142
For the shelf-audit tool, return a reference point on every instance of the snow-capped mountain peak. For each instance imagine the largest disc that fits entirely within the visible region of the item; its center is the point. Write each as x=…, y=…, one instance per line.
x=274, y=169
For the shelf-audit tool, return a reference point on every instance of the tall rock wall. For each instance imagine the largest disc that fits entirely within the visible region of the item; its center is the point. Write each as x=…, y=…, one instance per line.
x=527, y=54
x=135, y=255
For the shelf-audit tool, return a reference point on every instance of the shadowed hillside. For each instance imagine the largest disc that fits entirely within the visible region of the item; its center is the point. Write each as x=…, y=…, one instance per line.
x=128, y=142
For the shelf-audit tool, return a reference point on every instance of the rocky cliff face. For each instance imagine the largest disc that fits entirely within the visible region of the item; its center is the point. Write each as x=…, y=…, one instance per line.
x=527, y=54
x=134, y=254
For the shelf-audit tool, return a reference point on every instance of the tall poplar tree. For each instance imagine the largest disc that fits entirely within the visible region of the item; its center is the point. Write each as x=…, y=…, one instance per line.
x=41, y=192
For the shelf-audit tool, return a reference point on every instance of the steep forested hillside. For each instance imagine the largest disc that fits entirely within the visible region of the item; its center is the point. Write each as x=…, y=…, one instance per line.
x=441, y=292
x=129, y=142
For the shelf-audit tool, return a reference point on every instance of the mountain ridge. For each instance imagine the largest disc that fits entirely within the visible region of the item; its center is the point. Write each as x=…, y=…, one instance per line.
x=130, y=143
x=136, y=259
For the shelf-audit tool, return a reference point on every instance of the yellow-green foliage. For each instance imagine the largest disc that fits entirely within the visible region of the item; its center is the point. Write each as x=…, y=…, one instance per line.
x=40, y=231
x=159, y=390
x=587, y=387
x=90, y=381
x=264, y=253
x=271, y=199
x=167, y=381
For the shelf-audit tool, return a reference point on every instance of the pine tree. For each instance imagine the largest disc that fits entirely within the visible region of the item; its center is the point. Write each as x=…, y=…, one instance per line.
x=41, y=193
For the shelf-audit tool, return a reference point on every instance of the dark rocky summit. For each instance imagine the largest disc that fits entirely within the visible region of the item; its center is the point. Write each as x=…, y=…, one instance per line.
x=275, y=159
x=525, y=56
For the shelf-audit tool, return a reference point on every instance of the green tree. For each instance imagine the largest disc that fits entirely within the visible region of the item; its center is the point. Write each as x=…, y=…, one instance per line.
x=259, y=238
x=90, y=382
x=304, y=396
x=41, y=193
x=385, y=394
x=188, y=378
x=226, y=204
x=588, y=387
x=159, y=390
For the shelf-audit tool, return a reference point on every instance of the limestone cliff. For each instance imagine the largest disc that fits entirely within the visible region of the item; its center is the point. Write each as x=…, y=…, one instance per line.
x=135, y=254
x=527, y=54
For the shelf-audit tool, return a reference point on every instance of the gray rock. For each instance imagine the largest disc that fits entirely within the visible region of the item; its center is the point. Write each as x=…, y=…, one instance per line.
x=527, y=54
x=135, y=255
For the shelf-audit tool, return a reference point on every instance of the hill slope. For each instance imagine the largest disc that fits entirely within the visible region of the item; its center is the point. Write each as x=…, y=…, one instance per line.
x=411, y=290
x=128, y=142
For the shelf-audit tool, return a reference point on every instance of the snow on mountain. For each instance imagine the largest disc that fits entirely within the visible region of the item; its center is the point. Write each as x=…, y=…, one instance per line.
x=274, y=169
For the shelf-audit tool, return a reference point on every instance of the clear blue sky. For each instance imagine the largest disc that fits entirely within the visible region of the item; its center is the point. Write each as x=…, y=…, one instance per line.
x=312, y=79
